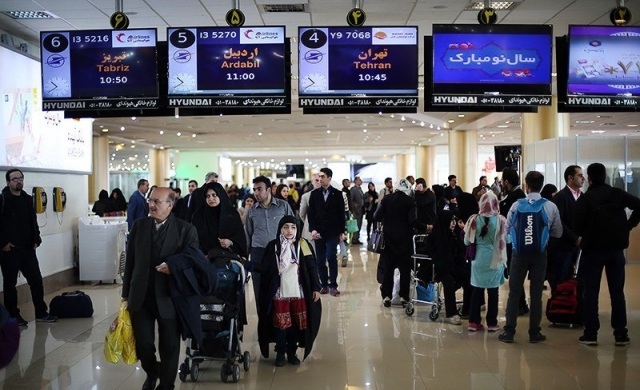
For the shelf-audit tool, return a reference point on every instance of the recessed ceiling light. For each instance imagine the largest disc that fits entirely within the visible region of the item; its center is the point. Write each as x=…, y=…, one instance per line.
x=193, y=135
x=597, y=131
x=30, y=14
x=105, y=130
x=328, y=131
x=401, y=129
x=178, y=134
x=460, y=115
x=497, y=5
x=260, y=134
x=161, y=132
x=502, y=126
x=451, y=121
x=632, y=125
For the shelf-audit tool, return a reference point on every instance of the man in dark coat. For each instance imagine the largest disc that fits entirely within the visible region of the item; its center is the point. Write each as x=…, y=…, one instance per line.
x=19, y=238
x=601, y=220
x=146, y=286
x=567, y=247
x=326, y=223
x=513, y=192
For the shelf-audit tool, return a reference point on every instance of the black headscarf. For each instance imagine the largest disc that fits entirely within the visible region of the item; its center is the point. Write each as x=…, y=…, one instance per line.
x=222, y=221
x=118, y=199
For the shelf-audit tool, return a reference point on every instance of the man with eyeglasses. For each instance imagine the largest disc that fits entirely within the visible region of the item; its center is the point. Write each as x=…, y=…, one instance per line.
x=145, y=286
x=19, y=238
x=262, y=223
x=137, y=207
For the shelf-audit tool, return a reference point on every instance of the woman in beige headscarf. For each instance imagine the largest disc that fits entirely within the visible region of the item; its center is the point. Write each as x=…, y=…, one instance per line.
x=488, y=231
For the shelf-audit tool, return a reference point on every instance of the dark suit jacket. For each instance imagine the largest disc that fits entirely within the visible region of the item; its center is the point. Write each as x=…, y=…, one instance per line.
x=140, y=266
x=137, y=208
x=327, y=218
x=566, y=204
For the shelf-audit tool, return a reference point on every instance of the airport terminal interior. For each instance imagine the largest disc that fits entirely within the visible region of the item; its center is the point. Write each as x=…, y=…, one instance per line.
x=361, y=344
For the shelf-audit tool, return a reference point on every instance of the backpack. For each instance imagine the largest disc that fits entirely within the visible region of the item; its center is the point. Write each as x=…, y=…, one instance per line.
x=529, y=227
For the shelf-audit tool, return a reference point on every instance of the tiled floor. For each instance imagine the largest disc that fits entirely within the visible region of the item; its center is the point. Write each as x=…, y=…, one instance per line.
x=361, y=345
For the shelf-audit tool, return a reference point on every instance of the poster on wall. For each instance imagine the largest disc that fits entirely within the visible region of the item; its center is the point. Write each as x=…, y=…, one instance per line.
x=31, y=138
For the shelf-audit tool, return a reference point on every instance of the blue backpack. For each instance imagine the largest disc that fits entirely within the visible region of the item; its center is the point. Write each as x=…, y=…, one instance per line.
x=529, y=227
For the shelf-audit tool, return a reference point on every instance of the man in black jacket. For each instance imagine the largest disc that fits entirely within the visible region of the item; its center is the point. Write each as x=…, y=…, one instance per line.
x=601, y=220
x=568, y=245
x=19, y=238
x=326, y=223
x=513, y=192
x=425, y=203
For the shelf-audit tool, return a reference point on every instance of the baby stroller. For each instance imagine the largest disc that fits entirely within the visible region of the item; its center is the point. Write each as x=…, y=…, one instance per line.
x=223, y=316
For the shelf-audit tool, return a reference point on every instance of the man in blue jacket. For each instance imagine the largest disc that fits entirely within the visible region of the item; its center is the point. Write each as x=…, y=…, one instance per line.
x=601, y=220
x=138, y=207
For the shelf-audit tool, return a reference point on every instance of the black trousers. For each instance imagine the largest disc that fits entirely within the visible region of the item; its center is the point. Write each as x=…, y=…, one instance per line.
x=143, y=322
x=22, y=260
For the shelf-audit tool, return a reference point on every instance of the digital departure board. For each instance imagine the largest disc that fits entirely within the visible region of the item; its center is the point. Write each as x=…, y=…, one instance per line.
x=99, y=69
x=489, y=65
x=228, y=67
x=373, y=68
x=603, y=68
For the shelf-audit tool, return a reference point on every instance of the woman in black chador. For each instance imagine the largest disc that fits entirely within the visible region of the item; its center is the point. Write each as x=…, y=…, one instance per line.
x=218, y=224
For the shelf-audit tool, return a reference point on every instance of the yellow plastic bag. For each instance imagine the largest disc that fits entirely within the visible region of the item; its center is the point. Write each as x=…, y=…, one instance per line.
x=119, y=341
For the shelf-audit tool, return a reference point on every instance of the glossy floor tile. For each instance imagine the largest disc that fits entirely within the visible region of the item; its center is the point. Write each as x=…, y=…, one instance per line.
x=361, y=345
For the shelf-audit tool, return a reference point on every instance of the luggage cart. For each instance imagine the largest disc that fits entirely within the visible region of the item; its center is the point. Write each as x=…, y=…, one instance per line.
x=417, y=257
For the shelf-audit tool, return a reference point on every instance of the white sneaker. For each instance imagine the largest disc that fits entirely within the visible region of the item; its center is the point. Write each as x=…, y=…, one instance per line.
x=453, y=320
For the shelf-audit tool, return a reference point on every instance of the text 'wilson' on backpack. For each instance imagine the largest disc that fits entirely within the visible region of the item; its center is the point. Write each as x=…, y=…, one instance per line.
x=529, y=227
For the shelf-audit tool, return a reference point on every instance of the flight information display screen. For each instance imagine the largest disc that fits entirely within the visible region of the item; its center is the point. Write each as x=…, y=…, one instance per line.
x=373, y=67
x=227, y=67
x=99, y=69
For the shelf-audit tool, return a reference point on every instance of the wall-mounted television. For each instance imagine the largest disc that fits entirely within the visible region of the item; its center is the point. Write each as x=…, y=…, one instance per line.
x=478, y=66
x=358, y=69
x=99, y=69
x=234, y=67
x=601, y=66
x=507, y=156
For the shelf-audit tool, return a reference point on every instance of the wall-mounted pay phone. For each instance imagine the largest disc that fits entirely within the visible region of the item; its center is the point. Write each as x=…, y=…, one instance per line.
x=59, y=199
x=39, y=200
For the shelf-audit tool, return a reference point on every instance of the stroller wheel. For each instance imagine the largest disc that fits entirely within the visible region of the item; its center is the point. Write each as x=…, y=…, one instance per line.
x=246, y=360
x=183, y=371
x=224, y=372
x=410, y=310
x=195, y=372
x=433, y=314
x=235, y=375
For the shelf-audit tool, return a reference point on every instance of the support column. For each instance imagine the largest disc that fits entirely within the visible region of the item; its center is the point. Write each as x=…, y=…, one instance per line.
x=426, y=163
x=99, y=179
x=547, y=123
x=463, y=157
x=238, y=178
x=159, y=167
x=402, y=167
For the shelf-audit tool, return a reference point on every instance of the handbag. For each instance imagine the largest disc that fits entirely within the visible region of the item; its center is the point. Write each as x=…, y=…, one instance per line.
x=376, y=242
x=470, y=252
x=73, y=304
x=352, y=225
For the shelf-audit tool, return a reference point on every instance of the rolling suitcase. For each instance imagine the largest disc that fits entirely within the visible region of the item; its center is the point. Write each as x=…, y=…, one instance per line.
x=565, y=305
x=73, y=304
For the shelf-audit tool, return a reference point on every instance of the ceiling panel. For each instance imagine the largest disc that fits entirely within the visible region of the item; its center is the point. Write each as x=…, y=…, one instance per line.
x=238, y=136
